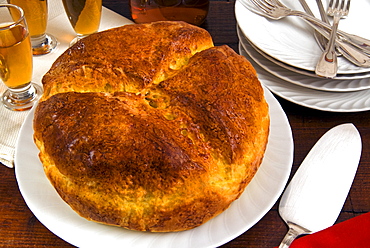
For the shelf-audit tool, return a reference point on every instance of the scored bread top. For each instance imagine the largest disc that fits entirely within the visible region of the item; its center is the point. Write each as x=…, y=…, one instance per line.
x=127, y=58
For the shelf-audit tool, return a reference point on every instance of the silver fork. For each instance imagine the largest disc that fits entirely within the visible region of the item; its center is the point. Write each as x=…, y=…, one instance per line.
x=321, y=40
x=353, y=47
x=327, y=65
x=276, y=10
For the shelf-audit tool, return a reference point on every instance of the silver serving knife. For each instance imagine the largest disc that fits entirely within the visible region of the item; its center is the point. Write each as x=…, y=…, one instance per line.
x=315, y=196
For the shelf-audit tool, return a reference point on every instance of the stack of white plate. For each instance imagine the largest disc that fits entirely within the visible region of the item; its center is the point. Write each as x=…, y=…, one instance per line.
x=285, y=54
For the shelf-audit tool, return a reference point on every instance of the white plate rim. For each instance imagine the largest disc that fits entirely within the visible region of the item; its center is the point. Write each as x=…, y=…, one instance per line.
x=356, y=101
x=260, y=195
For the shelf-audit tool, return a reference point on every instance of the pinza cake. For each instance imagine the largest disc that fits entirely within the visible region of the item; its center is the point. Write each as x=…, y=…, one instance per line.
x=150, y=127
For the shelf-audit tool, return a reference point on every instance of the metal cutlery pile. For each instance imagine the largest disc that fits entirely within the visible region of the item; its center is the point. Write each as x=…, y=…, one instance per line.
x=327, y=65
x=354, y=48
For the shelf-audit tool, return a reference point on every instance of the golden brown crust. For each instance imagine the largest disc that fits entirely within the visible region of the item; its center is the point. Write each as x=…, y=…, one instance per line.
x=166, y=159
x=127, y=58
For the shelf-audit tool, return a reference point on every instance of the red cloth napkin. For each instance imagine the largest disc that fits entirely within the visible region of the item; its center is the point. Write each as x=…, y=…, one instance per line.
x=352, y=233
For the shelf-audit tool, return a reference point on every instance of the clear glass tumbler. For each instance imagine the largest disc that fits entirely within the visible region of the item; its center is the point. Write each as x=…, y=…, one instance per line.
x=16, y=60
x=36, y=12
x=84, y=16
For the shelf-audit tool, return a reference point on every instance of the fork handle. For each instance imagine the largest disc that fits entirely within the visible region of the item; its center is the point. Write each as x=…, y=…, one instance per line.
x=358, y=40
x=323, y=15
x=328, y=63
x=354, y=55
x=333, y=33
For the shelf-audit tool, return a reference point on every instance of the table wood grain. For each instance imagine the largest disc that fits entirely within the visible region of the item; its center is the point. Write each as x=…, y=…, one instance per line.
x=20, y=228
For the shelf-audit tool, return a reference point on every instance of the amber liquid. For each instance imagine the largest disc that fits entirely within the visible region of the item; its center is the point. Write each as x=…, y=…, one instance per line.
x=190, y=11
x=84, y=15
x=36, y=15
x=15, y=57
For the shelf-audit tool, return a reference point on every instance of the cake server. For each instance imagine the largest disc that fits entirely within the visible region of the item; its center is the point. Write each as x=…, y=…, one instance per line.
x=315, y=196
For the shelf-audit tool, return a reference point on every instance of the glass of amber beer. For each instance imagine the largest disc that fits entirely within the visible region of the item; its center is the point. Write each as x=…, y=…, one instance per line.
x=16, y=60
x=36, y=13
x=84, y=16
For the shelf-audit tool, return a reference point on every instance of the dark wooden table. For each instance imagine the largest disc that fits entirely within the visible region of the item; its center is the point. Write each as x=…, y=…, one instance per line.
x=20, y=228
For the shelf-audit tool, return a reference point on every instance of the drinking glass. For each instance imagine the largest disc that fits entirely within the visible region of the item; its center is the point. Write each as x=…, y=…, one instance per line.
x=16, y=60
x=84, y=16
x=36, y=12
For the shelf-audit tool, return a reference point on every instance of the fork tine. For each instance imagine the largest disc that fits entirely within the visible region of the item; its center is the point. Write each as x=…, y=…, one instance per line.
x=341, y=6
x=264, y=5
x=258, y=7
x=277, y=3
x=274, y=3
x=261, y=4
x=338, y=6
x=331, y=3
x=346, y=10
x=331, y=7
